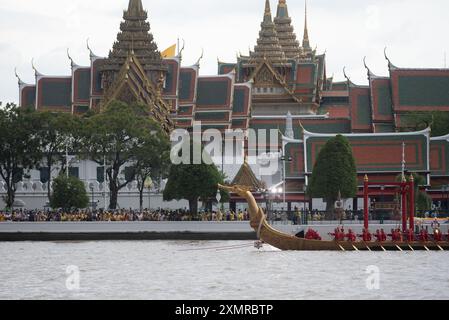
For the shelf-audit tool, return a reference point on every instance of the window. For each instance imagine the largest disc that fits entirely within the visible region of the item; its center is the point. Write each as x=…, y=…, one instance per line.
x=74, y=172
x=100, y=174
x=44, y=174
x=129, y=173
x=18, y=175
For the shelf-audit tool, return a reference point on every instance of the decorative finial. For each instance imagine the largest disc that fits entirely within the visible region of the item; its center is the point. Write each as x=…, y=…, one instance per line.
x=282, y=11
x=345, y=74
x=267, y=14
x=412, y=178
x=390, y=65
x=72, y=63
x=37, y=73
x=182, y=49
x=370, y=74
x=18, y=78
x=135, y=8
x=91, y=53
x=201, y=57
x=306, y=41
x=366, y=179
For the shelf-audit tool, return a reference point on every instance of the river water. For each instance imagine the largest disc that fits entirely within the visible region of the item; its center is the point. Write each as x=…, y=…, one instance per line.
x=224, y=270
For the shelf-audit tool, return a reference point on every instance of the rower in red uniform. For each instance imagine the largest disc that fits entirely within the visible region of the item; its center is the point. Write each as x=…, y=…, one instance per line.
x=366, y=235
x=410, y=235
x=437, y=236
x=335, y=234
x=393, y=235
x=423, y=235
x=399, y=235
x=383, y=235
x=312, y=235
x=351, y=236
x=378, y=236
x=342, y=234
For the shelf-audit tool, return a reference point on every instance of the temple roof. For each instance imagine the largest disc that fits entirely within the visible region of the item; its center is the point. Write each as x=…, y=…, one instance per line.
x=285, y=31
x=135, y=9
x=268, y=46
x=246, y=178
x=133, y=85
x=134, y=36
x=306, y=41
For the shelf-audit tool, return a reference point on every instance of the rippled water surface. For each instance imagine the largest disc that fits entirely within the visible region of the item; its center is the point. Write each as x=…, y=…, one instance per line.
x=213, y=270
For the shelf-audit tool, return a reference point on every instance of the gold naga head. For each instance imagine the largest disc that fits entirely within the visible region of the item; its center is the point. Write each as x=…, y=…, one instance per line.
x=240, y=190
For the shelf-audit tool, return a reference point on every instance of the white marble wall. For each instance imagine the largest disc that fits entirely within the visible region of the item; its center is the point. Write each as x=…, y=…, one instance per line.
x=32, y=193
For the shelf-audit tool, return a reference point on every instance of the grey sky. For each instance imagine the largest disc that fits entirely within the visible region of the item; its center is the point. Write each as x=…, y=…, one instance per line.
x=414, y=31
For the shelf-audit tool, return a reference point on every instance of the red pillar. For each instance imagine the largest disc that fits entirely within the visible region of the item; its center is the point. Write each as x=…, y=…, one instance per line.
x=412, y=203
x=365, y=202
x=404, y=205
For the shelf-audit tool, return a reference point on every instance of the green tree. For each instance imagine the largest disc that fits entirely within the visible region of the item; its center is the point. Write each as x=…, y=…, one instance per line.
x=69, y=193
x=115, y=136
x=56, y=134
x=423, y=201
x=335, y=171
x=437, y=121
x=19, y=147
x=152, y=162
x=193, y=182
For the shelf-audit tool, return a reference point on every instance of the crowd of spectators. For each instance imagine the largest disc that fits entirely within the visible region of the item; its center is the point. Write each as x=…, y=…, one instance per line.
x=119, y=215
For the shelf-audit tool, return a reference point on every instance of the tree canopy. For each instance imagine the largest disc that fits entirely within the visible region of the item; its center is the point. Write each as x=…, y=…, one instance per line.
x=55, y=132
x=20, y=147
x=152, y=162
x=116, y=136
x=334, y=172
x=193, y=182
x=69, y=193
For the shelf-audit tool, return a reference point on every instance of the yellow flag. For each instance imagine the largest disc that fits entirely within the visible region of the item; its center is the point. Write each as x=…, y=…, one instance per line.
x=169, y=52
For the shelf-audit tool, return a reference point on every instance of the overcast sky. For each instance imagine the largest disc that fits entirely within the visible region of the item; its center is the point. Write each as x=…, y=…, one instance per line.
x=414, y=31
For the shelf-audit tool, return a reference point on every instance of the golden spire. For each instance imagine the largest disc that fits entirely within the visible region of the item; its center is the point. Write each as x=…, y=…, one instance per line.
x=267, y=15
x=282, y=11
x=135, y=7
x=268, y=46
x=305, y=41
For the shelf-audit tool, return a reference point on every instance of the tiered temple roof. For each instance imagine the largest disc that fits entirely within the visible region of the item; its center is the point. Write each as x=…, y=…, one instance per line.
x=268, y=46
x=287, y=37
x=246, y=178
x=135, y=36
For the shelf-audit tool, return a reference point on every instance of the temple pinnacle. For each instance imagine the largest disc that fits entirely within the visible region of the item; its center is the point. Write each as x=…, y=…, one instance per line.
x=282, y=11
x=135, y=8
x=305, y=41
x=267, y=15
